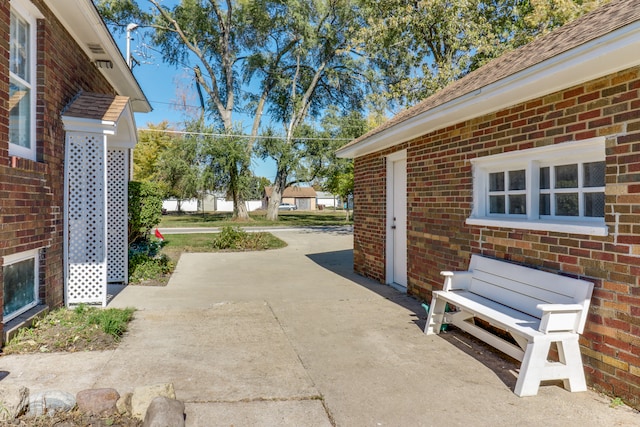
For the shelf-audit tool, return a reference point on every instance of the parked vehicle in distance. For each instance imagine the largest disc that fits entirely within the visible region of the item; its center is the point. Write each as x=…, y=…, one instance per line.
x=287, y=207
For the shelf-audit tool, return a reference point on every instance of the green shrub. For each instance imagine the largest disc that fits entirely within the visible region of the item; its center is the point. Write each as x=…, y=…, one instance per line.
x=145, y=209
x=235, y=238
x=145, y=267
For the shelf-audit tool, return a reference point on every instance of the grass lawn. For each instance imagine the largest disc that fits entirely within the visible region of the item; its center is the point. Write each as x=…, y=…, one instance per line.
x=258, y=219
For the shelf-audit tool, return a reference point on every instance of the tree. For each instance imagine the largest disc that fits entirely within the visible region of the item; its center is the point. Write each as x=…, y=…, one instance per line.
x=209, y=37
x=319, y=70
x=418, y=47
x=151, y=144
x=178, y=170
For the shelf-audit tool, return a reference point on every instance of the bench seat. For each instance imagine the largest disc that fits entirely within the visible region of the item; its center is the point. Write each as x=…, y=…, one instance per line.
x=535, y=308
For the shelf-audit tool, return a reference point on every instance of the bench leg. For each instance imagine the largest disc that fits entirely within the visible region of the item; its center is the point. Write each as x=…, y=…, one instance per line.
x=435, y=317
x=569, y=355
x=536, y=367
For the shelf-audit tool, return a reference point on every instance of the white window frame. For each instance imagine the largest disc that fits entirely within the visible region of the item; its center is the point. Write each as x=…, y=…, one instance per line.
x=30, y=14
x=532, y=160
x=23, y=256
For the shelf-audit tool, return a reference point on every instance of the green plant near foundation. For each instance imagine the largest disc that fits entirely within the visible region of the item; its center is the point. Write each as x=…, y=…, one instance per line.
x=83, y=328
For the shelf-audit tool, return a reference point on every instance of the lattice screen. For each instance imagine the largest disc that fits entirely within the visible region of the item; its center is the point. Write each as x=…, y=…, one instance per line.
x=86, y=175
x=117, y=179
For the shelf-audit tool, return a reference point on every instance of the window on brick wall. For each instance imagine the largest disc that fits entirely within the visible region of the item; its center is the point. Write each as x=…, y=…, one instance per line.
x=554, y=188
x=22, y=80
x=20, y=281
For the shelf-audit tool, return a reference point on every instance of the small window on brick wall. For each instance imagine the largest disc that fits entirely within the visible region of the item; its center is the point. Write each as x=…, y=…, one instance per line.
x=20, y=283
x=555, y=188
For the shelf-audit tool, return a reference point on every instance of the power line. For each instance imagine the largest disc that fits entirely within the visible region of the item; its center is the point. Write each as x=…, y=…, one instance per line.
x=224, y=135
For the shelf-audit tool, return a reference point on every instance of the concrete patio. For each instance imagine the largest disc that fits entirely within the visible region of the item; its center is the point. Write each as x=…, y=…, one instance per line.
x=292, y=337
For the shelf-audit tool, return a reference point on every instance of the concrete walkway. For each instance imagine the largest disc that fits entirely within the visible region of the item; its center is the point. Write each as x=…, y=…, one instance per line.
x=292, y=337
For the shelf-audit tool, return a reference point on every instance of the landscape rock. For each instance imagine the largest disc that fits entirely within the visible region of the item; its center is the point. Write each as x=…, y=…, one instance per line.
x=124, y=404
x=13, y=402
x=142, y=397
x=164, y=412
x=50, y=402
x=97, y=401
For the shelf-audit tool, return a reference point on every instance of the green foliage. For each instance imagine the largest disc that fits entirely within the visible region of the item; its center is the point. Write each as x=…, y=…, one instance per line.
x=112, y=321
x=145, y=209
x=146, y=262
x=236, y=239
x=83, y=328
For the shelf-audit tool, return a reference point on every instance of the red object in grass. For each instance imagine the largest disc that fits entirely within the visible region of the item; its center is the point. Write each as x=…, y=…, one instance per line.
x=159, y=234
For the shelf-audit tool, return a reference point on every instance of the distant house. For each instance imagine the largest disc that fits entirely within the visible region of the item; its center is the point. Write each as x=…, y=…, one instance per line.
x=66, y=131
x=304, y=198
x=533, y=158
x=327, y=200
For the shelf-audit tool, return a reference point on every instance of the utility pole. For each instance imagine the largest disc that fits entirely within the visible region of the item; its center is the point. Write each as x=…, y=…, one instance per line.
x=130, y=28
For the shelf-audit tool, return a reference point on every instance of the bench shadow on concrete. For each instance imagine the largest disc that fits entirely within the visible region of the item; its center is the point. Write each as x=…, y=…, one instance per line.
x=503, y=366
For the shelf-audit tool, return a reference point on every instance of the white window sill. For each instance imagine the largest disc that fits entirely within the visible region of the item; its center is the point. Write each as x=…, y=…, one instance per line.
x=590, y=228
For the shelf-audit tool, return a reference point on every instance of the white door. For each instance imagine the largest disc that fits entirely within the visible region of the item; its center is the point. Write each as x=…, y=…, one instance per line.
x=397, y=223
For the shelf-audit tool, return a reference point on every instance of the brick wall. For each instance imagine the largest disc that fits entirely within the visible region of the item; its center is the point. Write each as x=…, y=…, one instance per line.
x=31, y=193
x=439, y=186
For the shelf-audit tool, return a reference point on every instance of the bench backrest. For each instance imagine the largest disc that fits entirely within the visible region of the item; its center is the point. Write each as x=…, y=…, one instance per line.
x=524, y=288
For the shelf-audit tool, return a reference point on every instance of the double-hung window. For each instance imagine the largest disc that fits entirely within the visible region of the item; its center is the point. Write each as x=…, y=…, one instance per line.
x=22, y=80
x=20, y=281
x=555, y=188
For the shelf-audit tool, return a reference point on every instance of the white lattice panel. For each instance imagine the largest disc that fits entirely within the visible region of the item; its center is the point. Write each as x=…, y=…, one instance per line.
x=86, y=219
x=117, y=179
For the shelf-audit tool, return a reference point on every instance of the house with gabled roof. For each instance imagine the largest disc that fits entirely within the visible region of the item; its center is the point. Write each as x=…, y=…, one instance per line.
x=303, y=198
x=66, y=132
x=535, y=159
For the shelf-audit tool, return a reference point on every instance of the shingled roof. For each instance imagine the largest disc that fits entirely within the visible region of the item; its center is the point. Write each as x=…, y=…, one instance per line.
x=604, y=20
x=97, y=106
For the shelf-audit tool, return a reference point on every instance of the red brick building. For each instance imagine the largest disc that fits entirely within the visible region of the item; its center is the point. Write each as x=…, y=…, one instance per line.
x=66, y=112
x=534, y=158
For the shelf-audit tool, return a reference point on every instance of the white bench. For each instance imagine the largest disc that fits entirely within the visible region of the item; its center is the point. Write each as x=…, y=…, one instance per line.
x=535, y=307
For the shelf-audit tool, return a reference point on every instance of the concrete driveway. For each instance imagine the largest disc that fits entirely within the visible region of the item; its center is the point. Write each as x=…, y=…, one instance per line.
x=292, y=337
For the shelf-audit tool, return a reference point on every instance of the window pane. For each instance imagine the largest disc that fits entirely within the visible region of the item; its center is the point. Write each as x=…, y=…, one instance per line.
x=496, y=181
x=496, y=204
x=517, y=180
x=19, y=115
x=567, y=204
x=518, y=204
x=545, y=204
x=594, y=205
x=19, y=55
x=594, y=174
x=567, y=176
x=545, y=179
x=19, y=285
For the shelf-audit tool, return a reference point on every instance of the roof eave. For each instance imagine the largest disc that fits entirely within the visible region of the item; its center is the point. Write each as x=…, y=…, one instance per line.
x=82, y=20
x=605, y=55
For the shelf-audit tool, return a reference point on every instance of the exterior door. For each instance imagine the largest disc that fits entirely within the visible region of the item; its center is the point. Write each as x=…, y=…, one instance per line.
x=397, y=220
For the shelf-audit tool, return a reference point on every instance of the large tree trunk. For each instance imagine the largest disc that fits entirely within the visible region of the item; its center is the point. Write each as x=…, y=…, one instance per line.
x=276, y=195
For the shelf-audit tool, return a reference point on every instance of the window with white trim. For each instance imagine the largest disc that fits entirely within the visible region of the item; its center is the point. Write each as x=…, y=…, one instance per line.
x=556, y=188
x=20, y=283
x=22, y=81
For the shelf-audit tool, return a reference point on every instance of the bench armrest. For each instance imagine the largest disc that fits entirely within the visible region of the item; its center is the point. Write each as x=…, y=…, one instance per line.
x=560, y=317
x=456, y=280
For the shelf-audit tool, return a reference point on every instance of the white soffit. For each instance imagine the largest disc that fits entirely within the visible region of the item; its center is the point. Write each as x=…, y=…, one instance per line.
x=81, y=19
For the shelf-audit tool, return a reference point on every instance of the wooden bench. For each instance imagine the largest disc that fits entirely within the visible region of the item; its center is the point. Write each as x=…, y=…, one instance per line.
x=535, y=307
